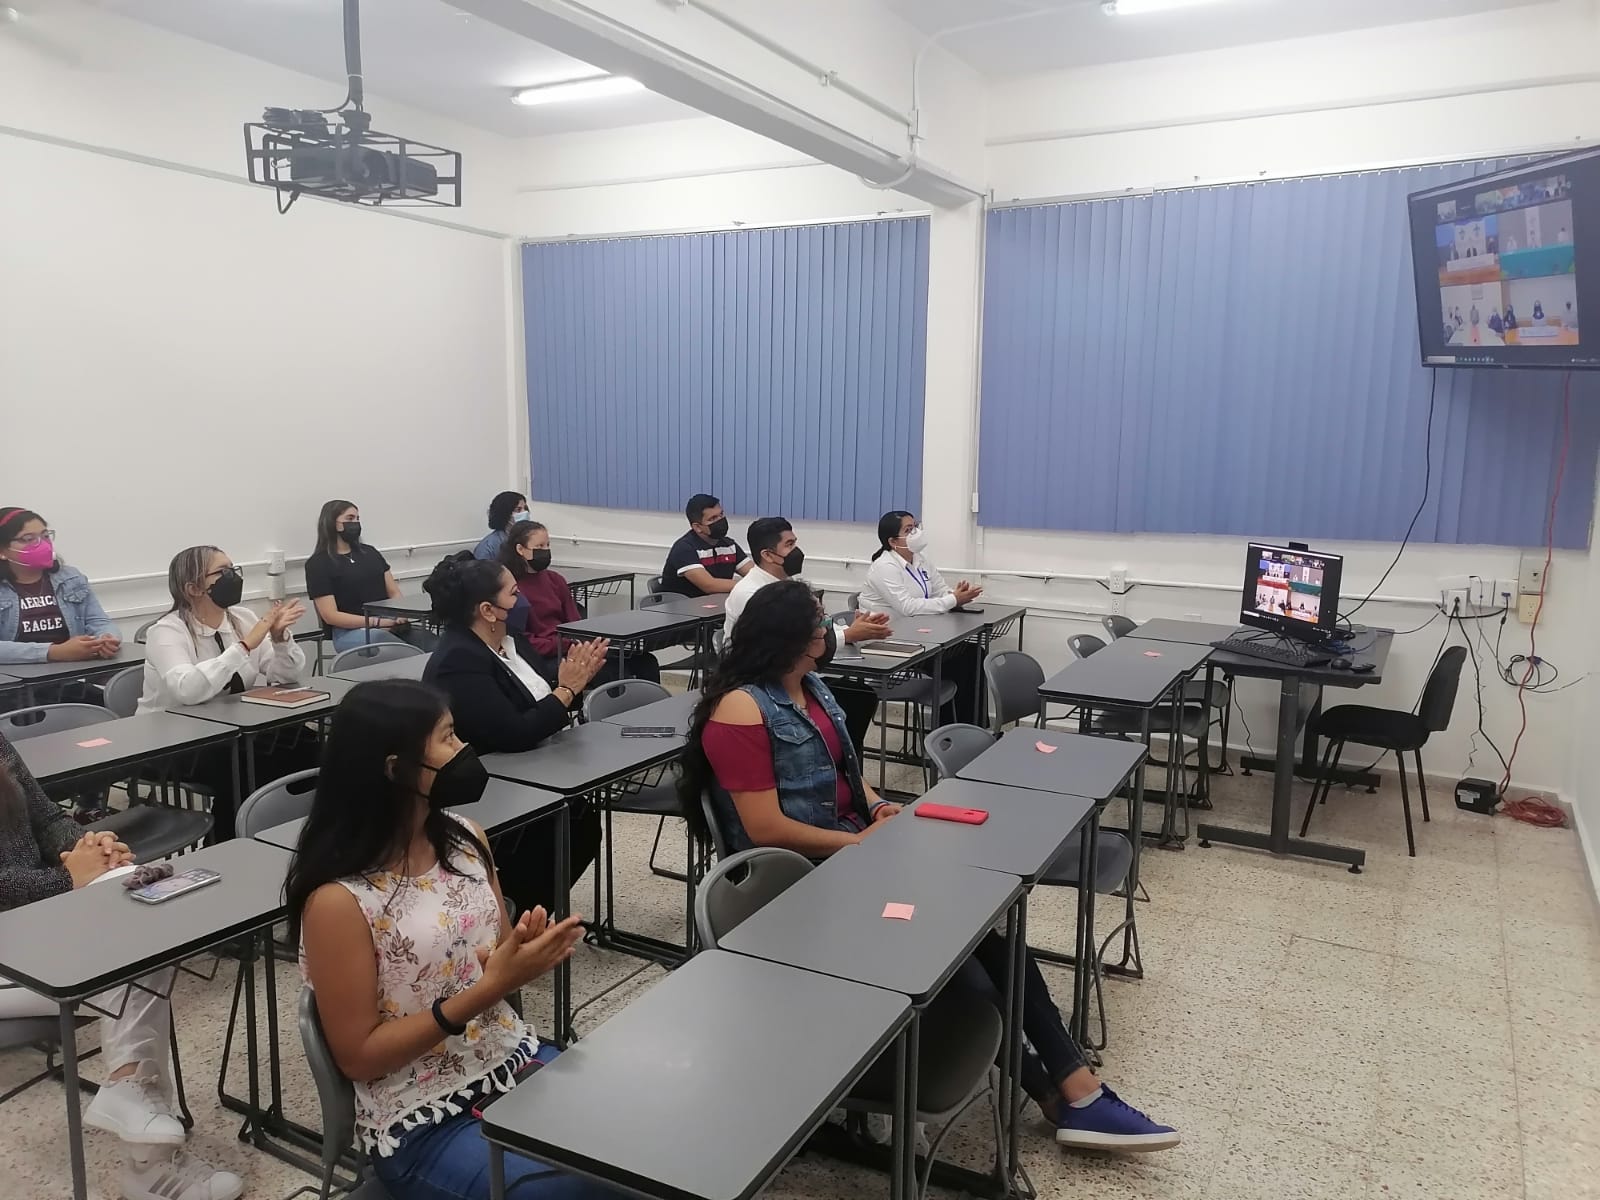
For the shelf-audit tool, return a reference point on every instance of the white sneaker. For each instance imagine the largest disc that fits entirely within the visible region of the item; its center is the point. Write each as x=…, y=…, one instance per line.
x=181, y=1177
x=137, y=1110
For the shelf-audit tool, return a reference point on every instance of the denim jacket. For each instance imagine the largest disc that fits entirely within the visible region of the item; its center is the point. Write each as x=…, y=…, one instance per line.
x=79, y=608
x=805, y=772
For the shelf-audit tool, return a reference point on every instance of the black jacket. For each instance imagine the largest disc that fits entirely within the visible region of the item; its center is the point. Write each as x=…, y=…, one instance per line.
x=493, y=711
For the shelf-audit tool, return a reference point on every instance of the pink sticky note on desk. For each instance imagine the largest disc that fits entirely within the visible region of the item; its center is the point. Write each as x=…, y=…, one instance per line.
x=708, y=606
x=1044, y=747
x=899, y=912
x=924, y=631
x=1152, y=654
x=93, y=742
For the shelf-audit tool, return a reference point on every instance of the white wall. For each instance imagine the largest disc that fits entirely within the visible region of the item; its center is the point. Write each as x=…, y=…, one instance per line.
x=193, y=367
x=688, y=176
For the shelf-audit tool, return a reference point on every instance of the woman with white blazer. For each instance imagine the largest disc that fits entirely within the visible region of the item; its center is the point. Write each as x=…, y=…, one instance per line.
x=208, y=645
x=902, y=582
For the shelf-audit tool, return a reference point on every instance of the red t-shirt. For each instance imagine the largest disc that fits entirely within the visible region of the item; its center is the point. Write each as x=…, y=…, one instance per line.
x=550, y=604
x=741, y=758
x=39, y=616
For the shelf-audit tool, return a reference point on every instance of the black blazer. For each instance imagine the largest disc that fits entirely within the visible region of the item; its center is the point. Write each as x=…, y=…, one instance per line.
x=494, y=712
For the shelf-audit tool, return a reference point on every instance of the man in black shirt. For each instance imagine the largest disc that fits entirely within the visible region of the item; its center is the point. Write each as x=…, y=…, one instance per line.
x=705, y=560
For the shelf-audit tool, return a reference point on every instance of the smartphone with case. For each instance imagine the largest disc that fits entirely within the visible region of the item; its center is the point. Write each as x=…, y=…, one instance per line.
x=949, y=812
x=174, y=885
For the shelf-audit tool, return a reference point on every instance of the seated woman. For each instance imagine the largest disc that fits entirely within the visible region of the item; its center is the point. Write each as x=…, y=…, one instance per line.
x=44, y=853
x=769, y=740
x=903, y=583
x=343, y=574
x=405, y=940
x=502, y=703
x=47, y=611
x=505, y=510
x=545, y=603
x=208, y=644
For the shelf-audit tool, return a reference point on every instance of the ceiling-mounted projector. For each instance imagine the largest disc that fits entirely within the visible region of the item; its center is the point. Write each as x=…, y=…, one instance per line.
x=335, y=153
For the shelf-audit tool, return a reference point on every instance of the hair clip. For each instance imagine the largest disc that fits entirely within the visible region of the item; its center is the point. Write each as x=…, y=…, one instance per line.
x=145, y=874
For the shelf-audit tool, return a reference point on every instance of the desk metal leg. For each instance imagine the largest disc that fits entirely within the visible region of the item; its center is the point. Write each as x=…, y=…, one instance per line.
x=1308, y=766
x=69, y=1084
x=902, y=1122
x=1011, y=1079
x=497, y=1172
x=274, y=1059
x=1278, y=841
x=562, y=1003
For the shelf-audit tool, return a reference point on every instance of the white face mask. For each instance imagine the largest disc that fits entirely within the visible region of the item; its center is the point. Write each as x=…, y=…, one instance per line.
x=917, y=540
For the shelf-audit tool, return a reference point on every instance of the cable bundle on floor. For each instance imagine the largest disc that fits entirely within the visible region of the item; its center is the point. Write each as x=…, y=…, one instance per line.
x=1534, y=811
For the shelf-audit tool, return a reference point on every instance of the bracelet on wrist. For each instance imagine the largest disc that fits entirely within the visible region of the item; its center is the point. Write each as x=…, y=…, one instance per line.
x=444, y=1022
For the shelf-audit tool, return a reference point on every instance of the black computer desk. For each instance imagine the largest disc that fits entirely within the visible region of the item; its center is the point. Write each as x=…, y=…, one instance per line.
x=1300, y=691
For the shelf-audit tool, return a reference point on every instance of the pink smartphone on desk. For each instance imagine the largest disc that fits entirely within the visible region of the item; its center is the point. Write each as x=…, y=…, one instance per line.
x=949, y=812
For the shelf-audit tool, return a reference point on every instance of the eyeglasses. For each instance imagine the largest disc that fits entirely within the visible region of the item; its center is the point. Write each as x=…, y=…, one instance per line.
x=228, y=570
x=33, y=539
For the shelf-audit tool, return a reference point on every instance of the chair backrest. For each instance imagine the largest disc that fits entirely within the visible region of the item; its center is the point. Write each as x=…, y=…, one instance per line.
x=334, y=1092
x=739, y=885
x=719, y=840
x=124, y=689
x=654, y=599
x=1439, y=694
x=371, y=656
x=1013, y=678
x=1084, y=644
x=51, y=718
x=653, y=585
x=952, y=747
x=624, y=695
x=276, y=802
x=855, y=604
x=1118, y=625
x=139, y=633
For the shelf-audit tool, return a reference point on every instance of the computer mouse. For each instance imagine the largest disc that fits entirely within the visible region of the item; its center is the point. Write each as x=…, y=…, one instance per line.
x=1340, y=664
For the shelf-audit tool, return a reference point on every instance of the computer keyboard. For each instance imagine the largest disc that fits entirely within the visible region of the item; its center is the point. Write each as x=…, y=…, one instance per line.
x=1290, y=654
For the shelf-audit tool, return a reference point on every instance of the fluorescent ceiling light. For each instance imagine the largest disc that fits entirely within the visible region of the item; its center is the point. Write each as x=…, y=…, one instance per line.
x=592, y=88
x=1134, y=8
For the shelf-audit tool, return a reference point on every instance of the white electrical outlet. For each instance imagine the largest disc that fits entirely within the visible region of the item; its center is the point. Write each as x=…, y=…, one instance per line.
x=1530, y=576
x=1118, y=579
x=1119, y=603
x=1456, y=601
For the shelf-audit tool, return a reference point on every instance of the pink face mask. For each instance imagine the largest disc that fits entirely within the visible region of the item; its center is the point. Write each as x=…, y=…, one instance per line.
x=40, y=556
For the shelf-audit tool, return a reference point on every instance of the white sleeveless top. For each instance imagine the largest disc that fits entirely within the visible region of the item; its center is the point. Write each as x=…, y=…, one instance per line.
x=425, y=933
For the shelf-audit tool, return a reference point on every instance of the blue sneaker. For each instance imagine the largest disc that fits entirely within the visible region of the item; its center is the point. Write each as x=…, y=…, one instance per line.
x=1111, y=1124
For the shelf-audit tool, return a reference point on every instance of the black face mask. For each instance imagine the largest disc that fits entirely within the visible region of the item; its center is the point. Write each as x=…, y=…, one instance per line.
x=228, y=589
x=833, y=647
x=539, y=561
x=460, y=781
x=351, y=533
x=795, y=563
x=718, y=529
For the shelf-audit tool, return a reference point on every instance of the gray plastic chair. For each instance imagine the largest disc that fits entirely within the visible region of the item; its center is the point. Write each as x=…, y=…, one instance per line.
x=139, y=634
x=122, y=691
x=960, y=1033
x=854, y=603
x=1084, y=644
x=653, y=585
x=719, y=840
x=952, y=747
x=1013, y=678
x=276, y=802
x=40, y=719
x=370, y=656
x=338, y=1100
x=1117, y=625
x=620, y=696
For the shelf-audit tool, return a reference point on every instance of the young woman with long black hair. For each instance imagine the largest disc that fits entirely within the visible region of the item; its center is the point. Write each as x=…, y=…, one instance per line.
x=769, y=742
x=343, y=574
x=406, y=942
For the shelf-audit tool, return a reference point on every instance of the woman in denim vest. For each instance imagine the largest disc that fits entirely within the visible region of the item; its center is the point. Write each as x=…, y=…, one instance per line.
x=769, y=741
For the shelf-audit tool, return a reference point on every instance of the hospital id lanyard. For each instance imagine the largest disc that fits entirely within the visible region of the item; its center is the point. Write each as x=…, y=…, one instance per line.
x=921, y=582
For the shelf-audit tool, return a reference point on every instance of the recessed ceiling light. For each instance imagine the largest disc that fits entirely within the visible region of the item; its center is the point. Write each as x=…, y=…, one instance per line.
x=1134, y=8
x=591, y=88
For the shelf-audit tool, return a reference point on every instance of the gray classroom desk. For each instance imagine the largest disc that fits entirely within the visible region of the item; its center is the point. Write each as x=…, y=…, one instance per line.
x=586, y=582
x=632, y=632
x=1188, y=633
x=251, y=720
x=711, y=607
x=880, y=672
x=131, y=940
x=409, y=667
x=737, y=1062
x=39, y=675
x=674, y=711
x=416, y=609
x=832, y=922
x=951, y=629
x=59, y=758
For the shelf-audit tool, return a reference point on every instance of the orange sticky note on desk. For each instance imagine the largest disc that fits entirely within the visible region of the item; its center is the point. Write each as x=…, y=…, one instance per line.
x=93, y=742
x=1044, y=747
x=899, y=912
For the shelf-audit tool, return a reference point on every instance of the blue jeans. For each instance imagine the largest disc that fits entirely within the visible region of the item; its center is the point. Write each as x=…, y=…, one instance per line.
x=450, y=1161
x=349, y=639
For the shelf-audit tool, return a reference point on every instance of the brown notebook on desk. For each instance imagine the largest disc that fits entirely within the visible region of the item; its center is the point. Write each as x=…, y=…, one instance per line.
x=283, y=697
x=890, y=649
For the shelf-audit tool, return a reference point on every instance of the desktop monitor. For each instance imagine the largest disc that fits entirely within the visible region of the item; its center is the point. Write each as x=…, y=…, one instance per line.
x=1294, y=593
x=1508, y=267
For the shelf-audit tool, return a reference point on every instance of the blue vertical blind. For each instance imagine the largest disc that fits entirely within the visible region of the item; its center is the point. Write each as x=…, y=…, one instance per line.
x=779, y=369
x=1244, y=360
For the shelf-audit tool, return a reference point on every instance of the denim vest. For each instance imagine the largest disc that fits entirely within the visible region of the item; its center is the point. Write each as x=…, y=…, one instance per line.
x=805, y=772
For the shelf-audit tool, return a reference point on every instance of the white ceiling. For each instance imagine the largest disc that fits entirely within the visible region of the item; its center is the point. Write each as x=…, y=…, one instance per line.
x=1076, y=33
x=420, y=52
